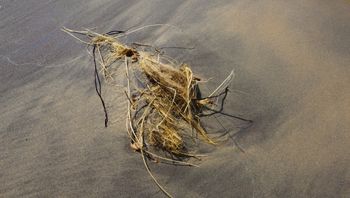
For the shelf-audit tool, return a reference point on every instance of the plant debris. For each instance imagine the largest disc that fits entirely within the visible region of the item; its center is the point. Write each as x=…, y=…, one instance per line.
x=165, y=105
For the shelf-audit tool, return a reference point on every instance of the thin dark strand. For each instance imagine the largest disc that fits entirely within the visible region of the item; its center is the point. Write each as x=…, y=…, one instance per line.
x=138, y=111
x=220, y=111
x=160, y=48
x=230, y=135
x=222, y=126
x=128, y=98
x=98, y=86
x=142, y=44
x=176, y=47
x=97, y=77
x=115, y=32
x=237, y=145
x=226, y=114
x=221, y=107
x=215, y=96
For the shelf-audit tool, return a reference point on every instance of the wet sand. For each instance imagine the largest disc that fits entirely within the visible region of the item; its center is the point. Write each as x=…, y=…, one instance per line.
x=292, y=78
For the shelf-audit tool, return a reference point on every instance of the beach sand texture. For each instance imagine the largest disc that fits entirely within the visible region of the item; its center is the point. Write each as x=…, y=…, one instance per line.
x=291, y=60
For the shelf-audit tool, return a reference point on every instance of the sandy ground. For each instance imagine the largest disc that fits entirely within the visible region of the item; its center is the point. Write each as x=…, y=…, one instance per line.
x=292, y=78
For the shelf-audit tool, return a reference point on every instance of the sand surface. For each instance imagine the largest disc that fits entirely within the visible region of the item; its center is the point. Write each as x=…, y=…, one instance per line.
x=292, y=78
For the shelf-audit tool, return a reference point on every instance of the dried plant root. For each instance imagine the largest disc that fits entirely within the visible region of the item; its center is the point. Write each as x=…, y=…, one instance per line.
x=164, y=102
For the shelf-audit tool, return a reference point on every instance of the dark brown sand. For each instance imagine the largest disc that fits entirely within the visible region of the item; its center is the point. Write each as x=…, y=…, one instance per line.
x=292, y=78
